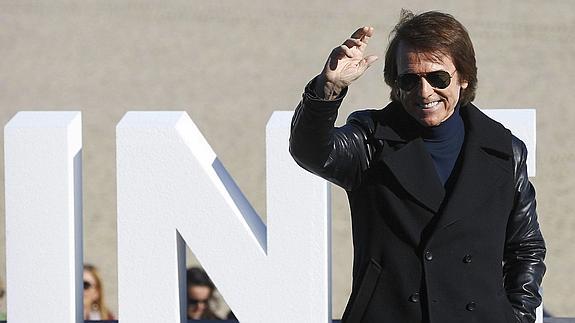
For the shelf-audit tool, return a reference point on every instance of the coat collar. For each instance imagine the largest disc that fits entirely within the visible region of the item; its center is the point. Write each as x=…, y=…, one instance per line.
x=413, y=167
x=406, y=156
x=394, y=124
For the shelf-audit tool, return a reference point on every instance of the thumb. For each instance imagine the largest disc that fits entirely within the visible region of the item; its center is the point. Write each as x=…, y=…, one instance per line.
x=366, y=62
x=370, y=59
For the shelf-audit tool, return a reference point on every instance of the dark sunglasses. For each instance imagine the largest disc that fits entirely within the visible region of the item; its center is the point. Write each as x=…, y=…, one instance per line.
x=194, y=302
x=87, y=285
x=437, y=79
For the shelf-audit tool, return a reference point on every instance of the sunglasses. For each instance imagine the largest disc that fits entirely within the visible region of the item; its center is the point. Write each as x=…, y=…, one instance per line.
x=194, y=302
x=437, y=79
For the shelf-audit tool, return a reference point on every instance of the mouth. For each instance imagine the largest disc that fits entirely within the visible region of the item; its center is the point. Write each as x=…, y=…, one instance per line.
x=428, y=105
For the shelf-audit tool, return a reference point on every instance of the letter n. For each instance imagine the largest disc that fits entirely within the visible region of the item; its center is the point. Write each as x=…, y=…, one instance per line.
x=172, y=190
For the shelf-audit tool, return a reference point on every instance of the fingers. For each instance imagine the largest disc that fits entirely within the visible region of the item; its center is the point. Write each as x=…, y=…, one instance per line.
x=353, y=48
x=353, y=42
x=342, y=51
x=363, y=34
x=348, y=52
x=370, y=59
x=337, y=54
x=367, y=35
x=359, y=38
x=366, y=62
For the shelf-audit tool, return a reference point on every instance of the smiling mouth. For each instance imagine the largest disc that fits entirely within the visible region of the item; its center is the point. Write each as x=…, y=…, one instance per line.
x=427, y=105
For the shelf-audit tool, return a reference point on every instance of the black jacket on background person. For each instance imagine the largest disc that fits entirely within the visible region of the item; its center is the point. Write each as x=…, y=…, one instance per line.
x=468, y=252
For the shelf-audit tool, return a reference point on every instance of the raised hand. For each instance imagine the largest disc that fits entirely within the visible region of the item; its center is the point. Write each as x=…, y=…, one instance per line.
x=345, y=64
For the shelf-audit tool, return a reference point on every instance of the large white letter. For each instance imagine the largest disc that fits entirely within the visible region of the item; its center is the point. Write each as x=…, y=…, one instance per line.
x=522, y=123
x=43, y=166
x=172, y=187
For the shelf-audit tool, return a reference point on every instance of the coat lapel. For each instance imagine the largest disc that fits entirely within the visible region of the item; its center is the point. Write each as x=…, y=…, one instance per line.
x=484, y=162
x=407, y=159
x=413, y=168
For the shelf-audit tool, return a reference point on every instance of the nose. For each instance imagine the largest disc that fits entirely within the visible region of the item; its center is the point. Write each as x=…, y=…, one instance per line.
x=424, y=89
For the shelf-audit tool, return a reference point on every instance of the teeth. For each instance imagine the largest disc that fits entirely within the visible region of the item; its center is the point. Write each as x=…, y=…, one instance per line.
x=428, y=105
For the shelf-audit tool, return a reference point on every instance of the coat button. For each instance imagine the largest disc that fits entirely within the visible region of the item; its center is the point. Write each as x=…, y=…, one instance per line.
x=414, y=298
x=428, y=256
x=471, y=306
x=467, y=259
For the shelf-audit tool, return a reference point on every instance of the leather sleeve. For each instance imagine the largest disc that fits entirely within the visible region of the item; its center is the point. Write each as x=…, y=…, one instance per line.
x=338, y=154
x=524, y=247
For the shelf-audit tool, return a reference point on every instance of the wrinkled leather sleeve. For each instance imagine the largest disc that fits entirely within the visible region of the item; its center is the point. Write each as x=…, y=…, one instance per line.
x=523, y=267
x=338, y=154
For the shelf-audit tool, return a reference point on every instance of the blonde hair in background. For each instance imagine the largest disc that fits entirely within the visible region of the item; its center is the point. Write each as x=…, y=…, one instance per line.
x=100, y=304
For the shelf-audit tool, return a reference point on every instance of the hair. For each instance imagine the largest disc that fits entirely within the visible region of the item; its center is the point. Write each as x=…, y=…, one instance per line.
x=198, y=277
x=434, y=34
x=100, y=304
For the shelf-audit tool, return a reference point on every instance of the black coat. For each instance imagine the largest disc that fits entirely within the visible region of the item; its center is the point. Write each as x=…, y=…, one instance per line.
x=469, y=252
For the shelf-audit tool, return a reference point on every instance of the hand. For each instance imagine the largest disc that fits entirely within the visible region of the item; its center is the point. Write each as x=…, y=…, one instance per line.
x=345, y=64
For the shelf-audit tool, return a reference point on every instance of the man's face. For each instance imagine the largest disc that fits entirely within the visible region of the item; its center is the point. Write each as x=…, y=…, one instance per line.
x=429, y=105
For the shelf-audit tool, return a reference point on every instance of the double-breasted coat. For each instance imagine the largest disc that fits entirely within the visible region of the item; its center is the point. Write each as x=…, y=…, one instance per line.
x=469, y=251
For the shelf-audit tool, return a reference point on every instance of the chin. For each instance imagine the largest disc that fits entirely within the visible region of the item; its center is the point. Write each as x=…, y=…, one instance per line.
x=428, y=122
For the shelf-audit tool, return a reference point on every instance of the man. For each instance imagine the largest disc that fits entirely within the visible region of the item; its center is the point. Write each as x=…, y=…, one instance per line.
x=443, y=213
x=200, y=295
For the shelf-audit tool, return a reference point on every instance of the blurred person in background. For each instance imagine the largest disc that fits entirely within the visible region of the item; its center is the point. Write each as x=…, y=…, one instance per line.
x=2, y=293
x=200, y=295
x=94, y=306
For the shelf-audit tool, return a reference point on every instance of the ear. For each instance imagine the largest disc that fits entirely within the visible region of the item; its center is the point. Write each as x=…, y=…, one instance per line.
x=464, y=84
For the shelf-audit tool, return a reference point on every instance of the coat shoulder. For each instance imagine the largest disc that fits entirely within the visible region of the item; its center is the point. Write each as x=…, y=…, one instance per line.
x=363, y=119
x=491, y=134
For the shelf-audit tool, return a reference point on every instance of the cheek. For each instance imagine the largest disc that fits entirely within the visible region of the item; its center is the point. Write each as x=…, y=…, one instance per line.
x=89, y=296
x=451, y=95
x=456, y=95
x=405, y=97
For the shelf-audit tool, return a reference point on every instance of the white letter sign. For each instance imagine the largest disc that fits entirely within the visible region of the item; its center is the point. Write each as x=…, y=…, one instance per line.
x=43, y=167
x=172, y=190
x=172, y=187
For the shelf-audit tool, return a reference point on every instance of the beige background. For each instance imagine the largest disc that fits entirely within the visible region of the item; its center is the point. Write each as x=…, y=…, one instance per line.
x=229, y=64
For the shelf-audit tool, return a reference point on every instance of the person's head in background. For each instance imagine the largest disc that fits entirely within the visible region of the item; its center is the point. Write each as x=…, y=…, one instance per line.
x=200, y=292
x=2, y=293
x=94, y=305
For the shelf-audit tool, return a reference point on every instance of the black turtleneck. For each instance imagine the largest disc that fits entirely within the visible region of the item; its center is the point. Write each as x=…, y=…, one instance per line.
x=444, y=142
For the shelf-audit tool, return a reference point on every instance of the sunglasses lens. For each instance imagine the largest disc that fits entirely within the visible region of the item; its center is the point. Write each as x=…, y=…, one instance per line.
x=407, y=82
x=194, y=302
x=438, y=79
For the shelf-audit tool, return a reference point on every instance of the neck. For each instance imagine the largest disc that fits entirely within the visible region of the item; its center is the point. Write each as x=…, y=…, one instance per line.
x=446, y=129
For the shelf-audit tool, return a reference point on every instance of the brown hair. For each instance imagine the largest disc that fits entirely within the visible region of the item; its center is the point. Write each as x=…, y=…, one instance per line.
x=433, y=33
